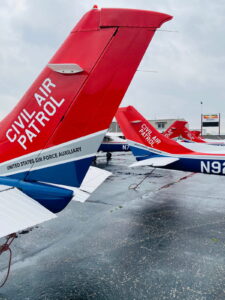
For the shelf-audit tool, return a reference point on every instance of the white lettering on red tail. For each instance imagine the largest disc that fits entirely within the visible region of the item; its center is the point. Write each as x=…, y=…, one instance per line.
x=29, y=124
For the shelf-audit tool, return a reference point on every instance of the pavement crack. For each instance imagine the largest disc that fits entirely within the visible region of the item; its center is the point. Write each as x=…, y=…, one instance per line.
x=99, y=202
x=179, y=180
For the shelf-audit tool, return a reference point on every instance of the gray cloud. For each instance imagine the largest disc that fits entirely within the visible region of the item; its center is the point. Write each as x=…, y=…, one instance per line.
x=190, y=63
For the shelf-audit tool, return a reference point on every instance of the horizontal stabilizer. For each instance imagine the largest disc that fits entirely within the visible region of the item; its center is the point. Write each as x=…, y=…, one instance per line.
x=93, y=179
x=18, y=212
x=155, y=162
x=80, y=196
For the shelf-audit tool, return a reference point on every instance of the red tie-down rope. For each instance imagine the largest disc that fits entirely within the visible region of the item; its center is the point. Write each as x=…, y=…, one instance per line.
x=4, y=248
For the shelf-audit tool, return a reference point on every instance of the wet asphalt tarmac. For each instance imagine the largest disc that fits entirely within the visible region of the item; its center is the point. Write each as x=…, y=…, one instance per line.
x=166, y=240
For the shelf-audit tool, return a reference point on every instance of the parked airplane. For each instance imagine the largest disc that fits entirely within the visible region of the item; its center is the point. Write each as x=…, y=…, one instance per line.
x=152, y=148
x=174, y=130
x=196, y=133
x=54, y=132
x=112, y=142
x=179, y=129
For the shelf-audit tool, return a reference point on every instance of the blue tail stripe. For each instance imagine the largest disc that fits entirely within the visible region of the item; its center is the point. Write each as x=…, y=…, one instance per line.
x=51, y=197
x=71, y=173
x=113, y=147
x=214, y=166
x=141, y=154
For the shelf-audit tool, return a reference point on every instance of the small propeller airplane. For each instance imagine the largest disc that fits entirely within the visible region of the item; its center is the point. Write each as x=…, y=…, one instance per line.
x=154, y=149
x=112, y=142
x=197, y=133
x=174, y=130
x=50, y=138
x=179, y=129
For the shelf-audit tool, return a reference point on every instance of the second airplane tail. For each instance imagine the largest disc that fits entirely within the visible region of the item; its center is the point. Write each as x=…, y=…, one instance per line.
x=144, y=140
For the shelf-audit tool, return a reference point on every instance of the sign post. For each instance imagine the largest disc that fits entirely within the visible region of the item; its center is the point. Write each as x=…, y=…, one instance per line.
x=210, y=120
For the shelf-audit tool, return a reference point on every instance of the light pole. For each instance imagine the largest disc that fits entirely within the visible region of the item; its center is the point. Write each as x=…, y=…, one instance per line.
x=201, y=114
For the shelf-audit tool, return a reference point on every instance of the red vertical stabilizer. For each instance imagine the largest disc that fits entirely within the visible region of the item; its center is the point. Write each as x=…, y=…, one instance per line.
x=139, y=130
x=174, y=130
x=77, y=94
x=189, y=135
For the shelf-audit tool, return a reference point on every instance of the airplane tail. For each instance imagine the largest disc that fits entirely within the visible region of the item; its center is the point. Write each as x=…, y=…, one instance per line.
x=196, y=133
x=144, y=140
x=178, y=128
x=175, y=129
x=58, y=125
x=55, y=130
x=190, y=136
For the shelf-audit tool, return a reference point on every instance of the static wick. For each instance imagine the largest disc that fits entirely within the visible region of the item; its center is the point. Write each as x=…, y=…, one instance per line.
x=148, y=71
x=164, y=30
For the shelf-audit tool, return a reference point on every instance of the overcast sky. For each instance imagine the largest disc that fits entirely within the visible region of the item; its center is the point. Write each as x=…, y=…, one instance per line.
x=187, y=56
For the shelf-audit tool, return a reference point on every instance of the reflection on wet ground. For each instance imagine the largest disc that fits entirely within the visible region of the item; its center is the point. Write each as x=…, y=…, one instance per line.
x=164, y=240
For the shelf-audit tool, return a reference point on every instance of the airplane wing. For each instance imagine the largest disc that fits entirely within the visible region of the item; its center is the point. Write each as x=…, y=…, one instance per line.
x=155, y=162
x=18, y=211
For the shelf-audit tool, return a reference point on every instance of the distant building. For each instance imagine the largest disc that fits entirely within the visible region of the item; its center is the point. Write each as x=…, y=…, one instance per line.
x=161, y=124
